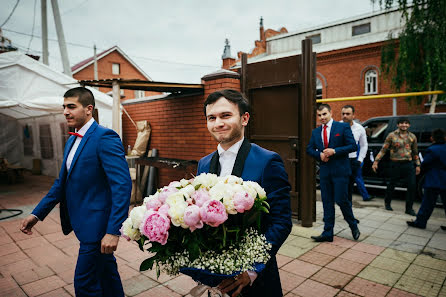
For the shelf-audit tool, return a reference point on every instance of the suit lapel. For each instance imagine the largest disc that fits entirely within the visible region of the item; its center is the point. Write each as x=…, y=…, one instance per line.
x=332, y=133
x=81, y=146
x=242, y=154
x=319, y=142
x=214, y=167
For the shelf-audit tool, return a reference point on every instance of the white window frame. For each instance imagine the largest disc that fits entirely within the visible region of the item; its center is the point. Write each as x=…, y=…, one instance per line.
x=318, y=87
x=116, y=69
x=371, y=82
x=139, y=94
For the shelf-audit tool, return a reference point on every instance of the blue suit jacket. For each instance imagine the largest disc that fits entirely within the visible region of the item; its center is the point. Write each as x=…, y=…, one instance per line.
x=434, y=164
x=95, y=193
x=342, y=140
x=257, y=164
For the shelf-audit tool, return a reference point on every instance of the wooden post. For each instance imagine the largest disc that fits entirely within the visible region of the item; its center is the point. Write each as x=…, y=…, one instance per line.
x=307, y=180
x=116, y=123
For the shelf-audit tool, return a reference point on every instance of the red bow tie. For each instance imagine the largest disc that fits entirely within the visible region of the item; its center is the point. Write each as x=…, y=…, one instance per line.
x=76, y=134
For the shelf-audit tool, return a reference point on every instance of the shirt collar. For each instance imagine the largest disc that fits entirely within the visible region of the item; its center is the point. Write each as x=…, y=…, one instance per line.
x=85, y=127
x=330, y=122
x=233, y=149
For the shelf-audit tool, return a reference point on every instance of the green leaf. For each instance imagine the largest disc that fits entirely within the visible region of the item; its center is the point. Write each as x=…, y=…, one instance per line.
x=141, y=243
x=147, y=263
x=197, y=187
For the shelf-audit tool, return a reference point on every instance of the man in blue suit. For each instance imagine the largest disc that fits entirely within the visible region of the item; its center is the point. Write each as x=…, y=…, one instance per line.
x=227, y=114
x=434, y=166
x=330, y=144
x=93, y=190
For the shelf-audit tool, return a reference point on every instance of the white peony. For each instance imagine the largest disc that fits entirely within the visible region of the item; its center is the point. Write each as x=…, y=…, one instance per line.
x=205, y=180
x=231, y=179
x=187, y=191
x=184, y=182
x=256, y=187
x=137, y=214
x=176, y=215
x=129, y=231
x=176, y=200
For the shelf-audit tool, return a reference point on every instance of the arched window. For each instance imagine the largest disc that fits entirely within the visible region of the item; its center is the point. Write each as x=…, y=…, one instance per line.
x=318, y=88
x=371, y=82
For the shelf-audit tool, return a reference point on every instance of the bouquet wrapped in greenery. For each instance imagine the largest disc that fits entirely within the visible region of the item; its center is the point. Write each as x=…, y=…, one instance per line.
x=207, y=227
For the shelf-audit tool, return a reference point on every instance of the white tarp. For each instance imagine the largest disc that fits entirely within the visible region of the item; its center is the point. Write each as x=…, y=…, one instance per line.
x=31, y=96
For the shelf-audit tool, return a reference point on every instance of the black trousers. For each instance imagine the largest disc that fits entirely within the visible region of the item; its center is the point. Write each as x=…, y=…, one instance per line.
x=406, y=172
x=354, y=164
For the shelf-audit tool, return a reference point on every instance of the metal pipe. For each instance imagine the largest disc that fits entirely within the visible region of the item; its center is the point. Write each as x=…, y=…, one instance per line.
x=394, y=107
x=411, y=94
x=61, y=38
x=44, y=32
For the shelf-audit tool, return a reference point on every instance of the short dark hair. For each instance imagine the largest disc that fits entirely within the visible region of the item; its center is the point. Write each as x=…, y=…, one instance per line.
x=402, y=120
x=84, y=96
x=438, y=135
x=231, y=95
x=324, y=105
x=349, y=106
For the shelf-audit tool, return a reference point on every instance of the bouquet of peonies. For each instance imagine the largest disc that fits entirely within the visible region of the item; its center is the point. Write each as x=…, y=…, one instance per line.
x=207, y=227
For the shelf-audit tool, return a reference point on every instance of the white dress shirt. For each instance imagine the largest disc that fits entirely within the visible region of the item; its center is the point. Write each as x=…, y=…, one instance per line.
x=227, y=157
x=360, y=136
x=78, y=140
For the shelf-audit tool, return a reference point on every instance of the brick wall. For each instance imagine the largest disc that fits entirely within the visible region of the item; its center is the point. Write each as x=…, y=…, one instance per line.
x=178, y=126
x=127, y=71
x=342, y=75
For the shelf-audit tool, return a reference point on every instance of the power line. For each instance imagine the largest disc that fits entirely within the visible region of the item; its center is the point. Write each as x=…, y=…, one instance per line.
x=131, y=56
x=75, y=7
x=34, y=23
x=10, y=15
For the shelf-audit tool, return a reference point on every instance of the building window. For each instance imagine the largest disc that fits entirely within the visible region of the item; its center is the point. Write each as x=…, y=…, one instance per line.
x=315, y=38
x=116, y=69
x=361, y=29
x=27, y=140
x=46, y=143
x=371, y=82
x=64, y=134
x=318, y=88
x=139, y=94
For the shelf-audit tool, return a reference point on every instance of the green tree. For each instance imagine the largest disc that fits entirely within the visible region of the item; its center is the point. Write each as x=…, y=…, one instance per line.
x=419, y=64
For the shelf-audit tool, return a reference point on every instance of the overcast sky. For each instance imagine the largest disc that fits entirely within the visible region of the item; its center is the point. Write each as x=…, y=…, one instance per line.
x=172, y=41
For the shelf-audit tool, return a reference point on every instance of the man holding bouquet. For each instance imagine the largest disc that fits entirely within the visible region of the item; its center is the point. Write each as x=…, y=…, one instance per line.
x=93, y=190
x=227, y=114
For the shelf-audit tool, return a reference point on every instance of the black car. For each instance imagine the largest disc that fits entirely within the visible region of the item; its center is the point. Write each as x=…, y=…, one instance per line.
x=377, y=130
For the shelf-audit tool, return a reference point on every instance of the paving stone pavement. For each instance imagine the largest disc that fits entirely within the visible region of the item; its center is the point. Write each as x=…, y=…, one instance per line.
x=389, y=259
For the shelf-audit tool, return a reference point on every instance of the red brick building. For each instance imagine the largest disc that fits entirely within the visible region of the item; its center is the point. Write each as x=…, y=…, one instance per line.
x=348, y=61
x=112, y=63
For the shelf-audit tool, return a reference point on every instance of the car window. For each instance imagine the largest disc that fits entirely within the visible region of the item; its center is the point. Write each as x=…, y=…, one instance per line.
x=376, y=130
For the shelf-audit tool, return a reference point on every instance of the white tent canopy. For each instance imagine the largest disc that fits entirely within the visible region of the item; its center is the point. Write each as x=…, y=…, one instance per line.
x=31, y=98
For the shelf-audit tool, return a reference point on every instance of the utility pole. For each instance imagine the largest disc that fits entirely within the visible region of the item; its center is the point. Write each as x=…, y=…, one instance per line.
x=44, y=32
x=61, y=38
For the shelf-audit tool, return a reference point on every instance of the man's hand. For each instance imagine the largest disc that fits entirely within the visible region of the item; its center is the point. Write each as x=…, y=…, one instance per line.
x=329, y=152
x=28, y=223
x=237, y=283
x=324, y=157
x=375, y=166
x=109, y=243
x=417, y=170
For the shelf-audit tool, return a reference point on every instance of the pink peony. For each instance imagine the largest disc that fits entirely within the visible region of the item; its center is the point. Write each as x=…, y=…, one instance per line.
x=165, y=192
x=243, y=201
x=153, y=203
x=201, y=196
x=155, y=226
x=164, y=210
x=213, y=213
x=192, y=217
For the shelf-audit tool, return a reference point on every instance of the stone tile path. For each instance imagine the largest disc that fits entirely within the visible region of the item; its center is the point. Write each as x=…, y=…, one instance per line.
x=389, y=259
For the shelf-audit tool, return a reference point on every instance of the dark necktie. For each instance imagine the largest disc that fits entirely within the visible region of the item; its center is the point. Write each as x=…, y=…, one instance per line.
x=325, y=137
x=75, y=134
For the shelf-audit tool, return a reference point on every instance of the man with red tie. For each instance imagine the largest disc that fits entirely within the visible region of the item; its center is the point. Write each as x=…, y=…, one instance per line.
x=93, y=190
x=330, y=144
